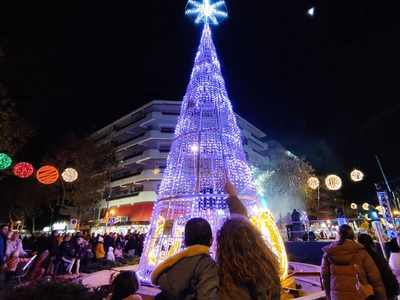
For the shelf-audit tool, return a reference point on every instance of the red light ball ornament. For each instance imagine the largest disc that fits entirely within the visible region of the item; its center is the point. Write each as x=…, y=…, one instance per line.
x=23, y=170
x=47, y=175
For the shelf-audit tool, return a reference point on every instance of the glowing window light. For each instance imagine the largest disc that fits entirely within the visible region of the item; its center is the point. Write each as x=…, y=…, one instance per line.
x=356, y=175
x=333, y=182
x=365, y=206
x=47, y=175
x=313, y=183
x=5, y=161
x=156, y=171
x=266, y=224
x=69, y=175
x=353, y=206
x=23, y=170
x=206, y=12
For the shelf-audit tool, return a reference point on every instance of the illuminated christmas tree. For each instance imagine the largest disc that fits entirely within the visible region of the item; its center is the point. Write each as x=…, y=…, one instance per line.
x=207, y=146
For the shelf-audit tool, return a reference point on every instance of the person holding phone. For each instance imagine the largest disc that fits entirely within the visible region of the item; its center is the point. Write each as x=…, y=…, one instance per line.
x=338, y=269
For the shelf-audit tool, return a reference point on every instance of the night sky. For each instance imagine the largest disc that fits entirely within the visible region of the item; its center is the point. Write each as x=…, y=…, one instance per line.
x=326, y=87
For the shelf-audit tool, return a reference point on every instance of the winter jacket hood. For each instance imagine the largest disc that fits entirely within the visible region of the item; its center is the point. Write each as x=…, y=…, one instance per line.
x=189, y=274
x=344, y=254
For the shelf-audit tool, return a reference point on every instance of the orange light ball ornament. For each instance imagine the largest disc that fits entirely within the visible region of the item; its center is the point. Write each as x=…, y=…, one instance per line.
x=47, y=175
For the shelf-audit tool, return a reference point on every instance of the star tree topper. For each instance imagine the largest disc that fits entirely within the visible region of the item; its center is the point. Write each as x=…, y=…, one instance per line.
x=206, y=12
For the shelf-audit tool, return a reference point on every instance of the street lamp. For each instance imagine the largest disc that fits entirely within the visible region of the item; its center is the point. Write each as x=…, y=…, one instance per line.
x=313, y=183
x=112, y=212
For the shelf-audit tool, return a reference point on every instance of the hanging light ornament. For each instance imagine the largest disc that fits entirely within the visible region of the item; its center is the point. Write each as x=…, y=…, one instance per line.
x=69, y=175
x=5, y=161
x=23, y=170
x=313, y=183
x=356, y=175
x=47, y=175
x=365, y=206
x=353, y=206
x=333, y=182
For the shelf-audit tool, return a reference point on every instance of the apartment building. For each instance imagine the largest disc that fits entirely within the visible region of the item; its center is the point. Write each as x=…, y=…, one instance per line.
x=142, y=140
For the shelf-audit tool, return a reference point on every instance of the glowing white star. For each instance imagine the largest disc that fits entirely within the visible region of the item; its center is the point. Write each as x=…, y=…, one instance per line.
x=206, y=12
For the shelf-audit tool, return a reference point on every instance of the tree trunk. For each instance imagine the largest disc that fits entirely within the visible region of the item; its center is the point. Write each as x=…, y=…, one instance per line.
x=11, y=221
x=52, y=216
x=33, y=225
x=78, y=225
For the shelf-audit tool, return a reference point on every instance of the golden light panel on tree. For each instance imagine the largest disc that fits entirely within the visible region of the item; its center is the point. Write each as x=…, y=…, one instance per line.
x=365, y=206
x=265, y=222
x=69, y=175
x=47, y=175
x=356, y=175
x=353, y=206
x=313, y=183
x=164, y=245
x=333, y=182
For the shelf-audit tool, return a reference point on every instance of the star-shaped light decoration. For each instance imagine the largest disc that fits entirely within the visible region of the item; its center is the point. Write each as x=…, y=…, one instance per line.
x=206, y=12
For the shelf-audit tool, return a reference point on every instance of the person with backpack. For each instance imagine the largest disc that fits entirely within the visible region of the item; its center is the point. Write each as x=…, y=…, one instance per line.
x=342, y=262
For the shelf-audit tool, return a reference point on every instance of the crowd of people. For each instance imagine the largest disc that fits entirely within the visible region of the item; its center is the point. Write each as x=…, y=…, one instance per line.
x=244, y=266
x=60, y=254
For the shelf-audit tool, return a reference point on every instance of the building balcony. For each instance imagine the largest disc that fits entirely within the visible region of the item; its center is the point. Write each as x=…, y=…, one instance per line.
x=255, y=157
x=146, y=155
x=148, y=119
x=145, y=196
x=133, y=178
x=149, y=135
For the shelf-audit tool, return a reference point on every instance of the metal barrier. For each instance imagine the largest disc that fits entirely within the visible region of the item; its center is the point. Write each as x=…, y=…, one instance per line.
x=328, y=229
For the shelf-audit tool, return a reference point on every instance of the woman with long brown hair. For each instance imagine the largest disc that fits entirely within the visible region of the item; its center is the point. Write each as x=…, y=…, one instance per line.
x=248, y=269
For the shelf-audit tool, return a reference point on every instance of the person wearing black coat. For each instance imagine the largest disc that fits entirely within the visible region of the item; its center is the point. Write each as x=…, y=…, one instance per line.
x=131, y=244
x=52, y=243
x=65, y=254
x=388, y=278
x=109, y=241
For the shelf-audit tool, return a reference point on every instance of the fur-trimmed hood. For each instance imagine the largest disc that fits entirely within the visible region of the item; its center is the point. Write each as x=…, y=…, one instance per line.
x=172, y=260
